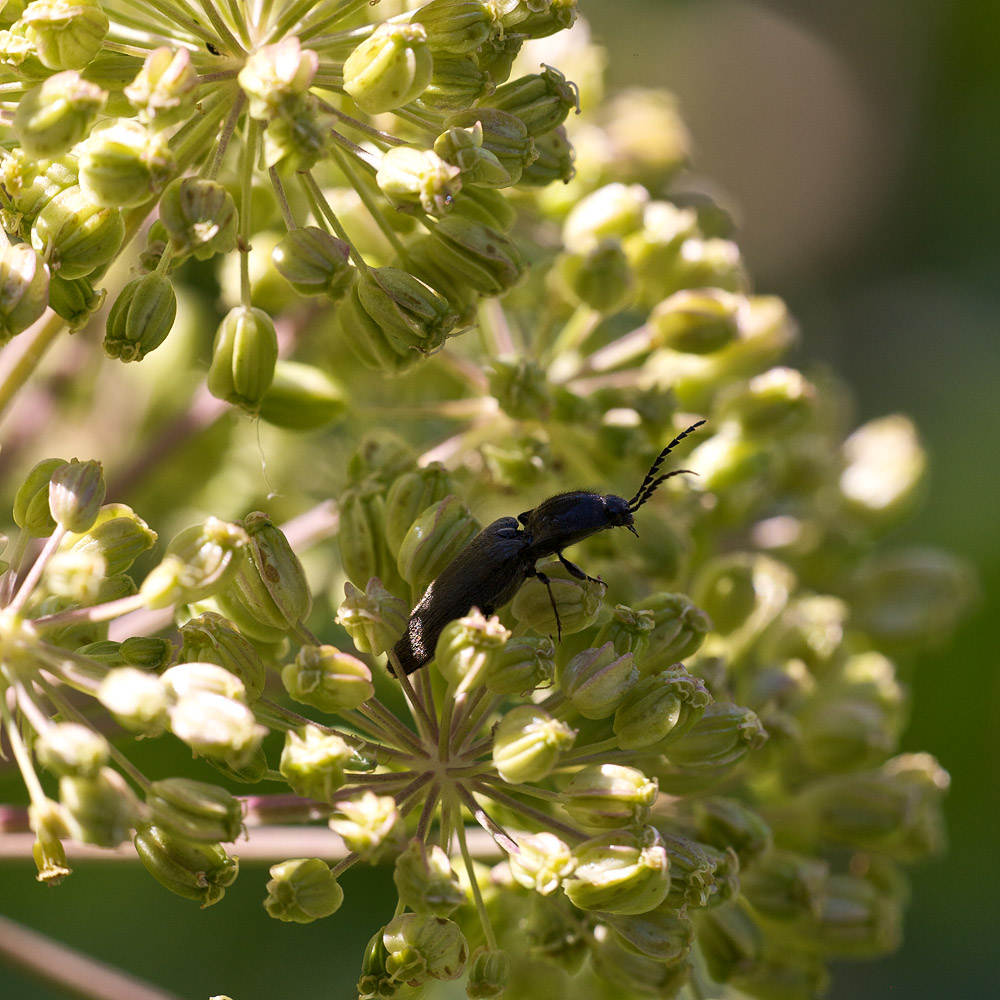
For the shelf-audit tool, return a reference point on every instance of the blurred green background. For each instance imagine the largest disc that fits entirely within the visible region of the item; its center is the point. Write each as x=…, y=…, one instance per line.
x=858, y=145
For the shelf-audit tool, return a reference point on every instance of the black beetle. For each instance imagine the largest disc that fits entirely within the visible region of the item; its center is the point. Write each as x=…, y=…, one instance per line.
x=490, y=570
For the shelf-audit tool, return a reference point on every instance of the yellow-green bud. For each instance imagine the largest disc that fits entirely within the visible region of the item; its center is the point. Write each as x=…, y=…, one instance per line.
x=421, y=948
x=149, y=652
x=414, y=317
x=457, y=25
x=661, y=934
x=433, y=540
x=76, y=492
x=302, y=890
x=554, y=159
x=409, y=496
x=366, y=338
x=373, y=618
x=609, y=796
x=243, y=358
x=69, y=748
x=369, y=824
x=599, y=277
x=730, y=940
x=327, y=679
x=33, y=183
x=313, y=761
x=363, y=549
x=721, y=738
x=611, y=212
x=638, y=974
x=783, y=885
x=480, y=256
x=490, y=147
x=164, y=91
x=527, y=743
x=622, y=871
x=695, y=321
x=679, y=631
x=730, y=824
x=541, y=863
x=521, y=387
x=136, y=699
x=778, y=401
x=457, y=82
x=314, y=263
x=118, y=535
x=487, y=206
x=140, y=318
x=628, y=631
x=541, y=20
x=489, y=974
x=46, y=822
x=418, y=177
x=497, y=54
x=660, y=709
x=98, y=810
x=390, y=68
x=75, y=300
x=425, y=882
x=66, y=34
x=201, y=872
x=725, y=588
x=302, y=398
x=31, y=502
x=541, y=100
x=296, y=138
x=123, y=165
x=75, y=234
x=692, y=872
x=58, y=113
x=276, y=75
x=194, y=809
x=210, y=638
x=468, y=648
x=578, y=601
x=199, y=216
x=597, y=680
x=526, y=663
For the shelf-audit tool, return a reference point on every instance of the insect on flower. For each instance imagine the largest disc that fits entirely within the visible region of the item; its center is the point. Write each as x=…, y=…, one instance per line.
x=491, y=569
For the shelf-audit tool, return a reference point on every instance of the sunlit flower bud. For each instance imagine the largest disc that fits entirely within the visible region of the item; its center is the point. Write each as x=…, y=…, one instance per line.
x=422, y=948
x=302, y=397
x=98, y=810
x=275, y=74
x=66, y=34
x=467, y=649
x=199, y=561
x=609, y=796
x=541, y=862
x=199, y=216
x=728, y=823
x=777, y=401
x=721, y=738
x=201, y=872
x=34, y=183
x=367, y=340
x=525, y=664
x=302, y=890
x=457, y=82
x=660, y=709
x=76, y=492
x=75, y=234
x=730, y=940
x=136, y=699
x=457, y=25
x=194, y=809
x=425, y=882
x=46, y=821
x=295, y=139
x=497, y=54
x=69, y=748
x=521, y=387
x=554, y=159
x=695, y=321
x=55, y=115
x=413, y=316
x=679, y=631
x=489, y=974
x=243, y=358
x=661, y=934
x=119, y=536
x=528, y=742
x=74, y=300
x=409, y=176
x=390, y=68
x=542, y=20
x=541, y=100
x=215, y=725
x=140, y=318
x=578, y=601
x=692, y=872
x=497, y=134
x=611, y=212
x=312, y=762
x=364, y=552
x=327, y=679
x=164, y=91
x=122, y=164
x=313, y=262
x=599, y=278
x=484, y=258
x=433, y=540
x=409, y=496
x=486, y=206
x=367, y=823
x=210, y=638
x=597, y=680
x=31, y=502
x=621, y=871
x=631, y=971
x=373, y=618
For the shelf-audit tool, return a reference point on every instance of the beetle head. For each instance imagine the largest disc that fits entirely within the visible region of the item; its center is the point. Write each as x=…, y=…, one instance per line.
x=619, y=513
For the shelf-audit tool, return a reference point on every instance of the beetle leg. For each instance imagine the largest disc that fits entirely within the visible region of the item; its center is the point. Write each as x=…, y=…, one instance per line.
x=575, y=570
x=548, y=586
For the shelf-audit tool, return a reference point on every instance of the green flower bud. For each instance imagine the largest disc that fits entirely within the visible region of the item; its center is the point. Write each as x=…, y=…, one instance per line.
x=210, y=638
x=457, y=82
x=32, y=183
x=165, y=90
x=467, y=649
x=140, y=318
x=302, y=890
x=149, y=652
x=609, y=796
x=695, y=321
x=599, y=278
x=621, y=871
x=295, y=140
x=542, y=861
x=425, y=881
x=596, y=681
x=75, y=301
x=810, y=629
x=718, y=741
x=313, y=762
x=628, y=631
x=373, y=618
x=119, y=536
x=554, y=160
x=390, y=68
x=381, y=455
x=302, y=397
x=66, y=34
x=457, y=25
x=525, y=664
x=521, y=388
x=660, y=709
x=486, y=206
x=846, y=733
x=578, y=601
x=76, y=492
x=783, y=885
x=105, y=651
x=433, y=540
x=75, y=234
x=725, y=589
x=364, y=552
x=251, y=770
x=68, y=748
x=480, y=256
x=369, y=824
x=528, y=742
x=409, y=496
x=199, y=561
x=327, y=679
x=243, y=358
x=98, y=810
x=46, y=822
x=194, y=809
x=611, y=212
x=692, y=872
x=58, y=113
x=201, y=872
x=661, y=934
x=418, y=177
x=497, y=54
x=314, y=263
x=728, y=823
x=367, y=340
x=422, y=948
x=199, y=217
x=778, y=401
x=637, y=974
x=679, y=631
x=489, y=974
x=540, y=21
x=730, y=940
x=463, y=147
x=541, y=100
x=275, y=75
x=137, y=700
x=123, y=165
x=31, y=502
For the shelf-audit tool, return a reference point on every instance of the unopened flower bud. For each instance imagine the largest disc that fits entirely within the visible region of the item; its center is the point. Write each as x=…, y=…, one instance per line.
x=390, y=68
x=463, y=147
x=302, y=398
x=98, y=810
x=527, y=743
x=412, y=315
x=363, y=549
x=164, y=91
x=489, y=974
x=609, y=796
x=487, y=206
x=457, y=82
x=628, y=631
x=74, y=300
x=313, y=761
x=541, y=100
x=599, y=278
x=368, y=823
x=695, y=321
x=525, y=664
x=313, y=262
x=521, y=387
x=34, y=183
x=119, y=536
x=596, y=681
x=137, y=700
x=418, y=177
x=123, y=165
x=501, y=137
x=661, y=934
x=611, y=212
x=616, y=963
x=367, y=340
x=425, y=882
x=660, y=709
x=196, y=871
x=409, y=496
x=31, y=502
x=243, y=358
x=692, y=872
x=373, y=618
x=140, y=318
x=327, y=679
x=199, y=216
x=46, y=821
x=66, y=34
x=302, y=890
x=730, y=940
x=69, y=748
x=783, y=885
x=275, y=74
x=467, y=649
x=721, y=738
x=55, y=115
x=210, y=638
x=482, y=257
x=457, y=25
x=75, y=234
x=729, y=823
x=541, y=862
x=76, y=492
x=578, y=602
x=433, y=539
x=421, y=948
x=296, y=138
x=554, y=159
x=679, y=631
x=194, y=809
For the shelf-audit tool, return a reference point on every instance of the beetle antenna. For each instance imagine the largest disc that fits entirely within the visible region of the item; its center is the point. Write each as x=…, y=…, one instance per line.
x=652, y=481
